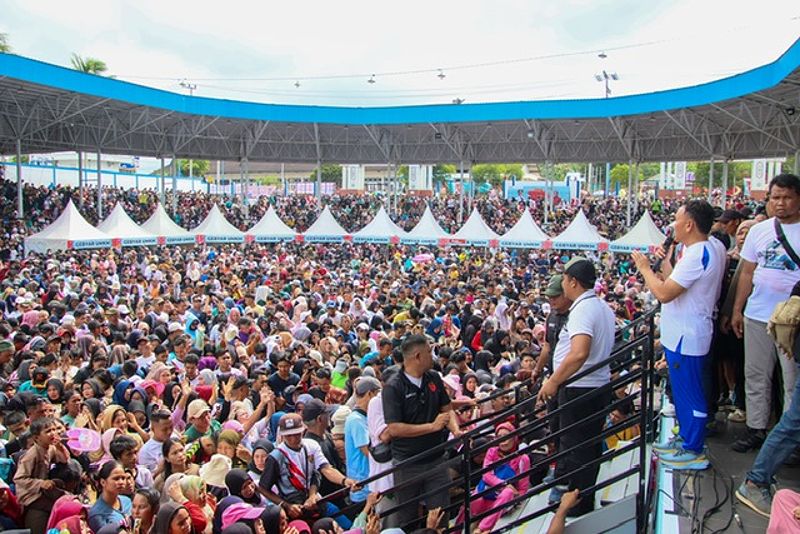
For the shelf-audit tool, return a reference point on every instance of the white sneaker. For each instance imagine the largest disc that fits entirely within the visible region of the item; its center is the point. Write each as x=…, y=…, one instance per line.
x=737, y=416
x=668, y=410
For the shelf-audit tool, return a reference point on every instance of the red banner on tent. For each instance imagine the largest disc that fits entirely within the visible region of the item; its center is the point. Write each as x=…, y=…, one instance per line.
x=299, y=238
x=348, y=238
x=547, y=245
x=70, y=244
x=394, y=240
x=200, y=239
x=494, y=243
x=248, y=238
x=161, y=241
x=116, y=243
x=602, y=246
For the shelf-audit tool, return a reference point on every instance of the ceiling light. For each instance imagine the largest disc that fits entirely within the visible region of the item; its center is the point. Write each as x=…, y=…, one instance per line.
x=530, y=134
x=441, y=75
x=602, y=55
x=371, y=79
x=297, y=84
x=437, y=135
x=458, y=101
x=790, y=111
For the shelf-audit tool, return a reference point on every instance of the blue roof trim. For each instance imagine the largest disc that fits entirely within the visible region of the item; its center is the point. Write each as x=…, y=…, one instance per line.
x=757, y=79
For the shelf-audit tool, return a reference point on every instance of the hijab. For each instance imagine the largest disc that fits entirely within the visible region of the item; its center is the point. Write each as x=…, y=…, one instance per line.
x=94, y=405
x=65, y=507
x=235, y=481
x=264, y=444
x=271, y=517
x=164, y=517
x=119, y=393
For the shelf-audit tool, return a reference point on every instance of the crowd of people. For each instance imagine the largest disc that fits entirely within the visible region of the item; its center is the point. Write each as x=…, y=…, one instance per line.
x=245, y=389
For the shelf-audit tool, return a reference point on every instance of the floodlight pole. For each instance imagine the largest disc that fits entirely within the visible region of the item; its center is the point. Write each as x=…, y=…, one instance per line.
x=99, y=188
x=20, y=203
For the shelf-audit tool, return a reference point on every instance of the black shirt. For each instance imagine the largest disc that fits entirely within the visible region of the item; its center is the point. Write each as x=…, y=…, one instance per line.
x=403, y=402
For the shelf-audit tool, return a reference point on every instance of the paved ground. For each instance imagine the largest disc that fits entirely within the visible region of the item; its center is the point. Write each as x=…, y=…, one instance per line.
x=726, y=464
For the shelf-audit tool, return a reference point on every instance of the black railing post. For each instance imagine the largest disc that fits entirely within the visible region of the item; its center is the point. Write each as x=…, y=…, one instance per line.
x=466, y=450
x=644, y=423
x=651, y=360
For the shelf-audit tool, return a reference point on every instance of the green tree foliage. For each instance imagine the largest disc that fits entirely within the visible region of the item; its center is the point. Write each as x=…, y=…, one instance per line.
x=267, y=180
x=89, y=65
x=495, y=173
x=331, y=172
x=200, y=167
x=5, y=47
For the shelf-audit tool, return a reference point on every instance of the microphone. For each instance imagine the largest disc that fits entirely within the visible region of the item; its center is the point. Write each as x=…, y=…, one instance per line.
x=668, y=242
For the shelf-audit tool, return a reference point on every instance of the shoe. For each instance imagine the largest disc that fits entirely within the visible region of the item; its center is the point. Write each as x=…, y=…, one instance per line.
x=668, y=410
x=756, y=498
x=556, y=493
x=682, y=459
x=753, y=441
x=724, y=403
x=737, y=416
x=672, y=445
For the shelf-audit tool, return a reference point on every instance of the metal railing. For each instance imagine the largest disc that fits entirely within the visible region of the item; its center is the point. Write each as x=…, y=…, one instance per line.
x=637, y=352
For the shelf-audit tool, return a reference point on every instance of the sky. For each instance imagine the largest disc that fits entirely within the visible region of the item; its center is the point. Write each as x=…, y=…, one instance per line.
x=500, y=50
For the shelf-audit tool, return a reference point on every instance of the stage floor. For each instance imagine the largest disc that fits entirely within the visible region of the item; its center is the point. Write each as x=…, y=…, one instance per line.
x=725, y=464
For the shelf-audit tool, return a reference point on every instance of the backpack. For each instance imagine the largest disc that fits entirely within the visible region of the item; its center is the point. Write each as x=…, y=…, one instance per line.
x=784, y=324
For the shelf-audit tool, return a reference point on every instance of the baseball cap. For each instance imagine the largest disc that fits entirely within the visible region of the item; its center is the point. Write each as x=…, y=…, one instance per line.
x=196, y=408
x=582, y=270
x=238, y=511
x=365, y=384
x=554, y=288
x=290, y=424
x=174, y=326
x=314, y=408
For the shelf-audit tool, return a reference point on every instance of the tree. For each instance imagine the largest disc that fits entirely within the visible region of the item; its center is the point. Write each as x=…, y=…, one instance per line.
x=443, y=171
x=331, y=172
x=200, y=167
x=5, y=48
x=495, y=173
x=89, y=65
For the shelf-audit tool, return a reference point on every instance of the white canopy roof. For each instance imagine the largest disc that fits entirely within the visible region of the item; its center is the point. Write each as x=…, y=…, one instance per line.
x=642, y=236
x=161, y=225
x=475, y=231
x=120, y=226
x=215, y=228
x=580, y=235
x=325, y=229
x=524, y=234
x=381, y=229
x=69, y=231
x=271, y=229
x=427, y=231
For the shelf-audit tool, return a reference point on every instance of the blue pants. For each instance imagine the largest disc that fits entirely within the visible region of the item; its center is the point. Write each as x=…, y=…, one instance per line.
x=780, y=443
x=687, y=377
x=330, y=510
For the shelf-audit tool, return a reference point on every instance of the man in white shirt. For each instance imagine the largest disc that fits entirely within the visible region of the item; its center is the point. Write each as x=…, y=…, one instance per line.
x=768, y=274
x=585, y=340
x=688, y=293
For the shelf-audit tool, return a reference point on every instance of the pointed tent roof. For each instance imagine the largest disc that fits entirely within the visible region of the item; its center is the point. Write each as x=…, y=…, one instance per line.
x=326, y=229
x=271, y=229
x=215, y=228
x=427, y=231
x=120, y=226
x=642, y=236
x=161, y=225
x=524, y=234
x=70, y=230
x=381, y=229
x=580, y=235
x=475, y=231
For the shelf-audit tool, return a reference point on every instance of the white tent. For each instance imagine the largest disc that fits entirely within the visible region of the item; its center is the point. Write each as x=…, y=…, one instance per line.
x=381, y=229
x=475, y=232
x=427, y=231
x=580, y=235
x=644, y=235
x=325, y=229
x=120, y=226
x=524, y=234
x=69, y=231
x=271, y=229
x=165, y=229
x=215, y=228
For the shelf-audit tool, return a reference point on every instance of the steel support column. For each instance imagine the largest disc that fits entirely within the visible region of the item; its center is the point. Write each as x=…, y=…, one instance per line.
x=710, y=179
x=630, y=195
x=174, y=168
x=796, y=162
x=461, y=192
x=245, y=199
x=724, y=183
x=99, y=188
x=20, y=203
x=163, y=197
x=319, y=181
x=80, y=178
x=607, y=180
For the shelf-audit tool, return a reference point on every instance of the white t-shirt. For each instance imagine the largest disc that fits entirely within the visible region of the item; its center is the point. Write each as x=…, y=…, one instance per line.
x=588, y=315
x=688, y=320
x=775, y=273
x=377, y=424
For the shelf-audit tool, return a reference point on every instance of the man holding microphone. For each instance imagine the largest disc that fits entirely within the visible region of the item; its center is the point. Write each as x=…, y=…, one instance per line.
x=688, y=292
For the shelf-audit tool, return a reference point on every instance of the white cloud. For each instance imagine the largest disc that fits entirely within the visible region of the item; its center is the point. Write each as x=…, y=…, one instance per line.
x=697, y=41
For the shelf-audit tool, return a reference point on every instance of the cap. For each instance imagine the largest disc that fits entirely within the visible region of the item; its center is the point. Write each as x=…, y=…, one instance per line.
x=315, y=407
x=582, y=270
x=365, y=384
x=174, y=326
x=123, y=309
x=316, y=357
x=238, y=511
x=196, y=408
x=213, y=472
x=338, y=419
x=554, y=288
x=290, y=424
x=730, y=215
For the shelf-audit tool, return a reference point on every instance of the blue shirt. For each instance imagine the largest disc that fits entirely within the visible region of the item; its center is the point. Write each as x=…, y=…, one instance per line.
x=101, y=514
x=356, y=434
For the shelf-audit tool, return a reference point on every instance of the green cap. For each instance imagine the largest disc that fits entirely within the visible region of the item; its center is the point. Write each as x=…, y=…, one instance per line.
x=554, y=288
x=6, y=345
